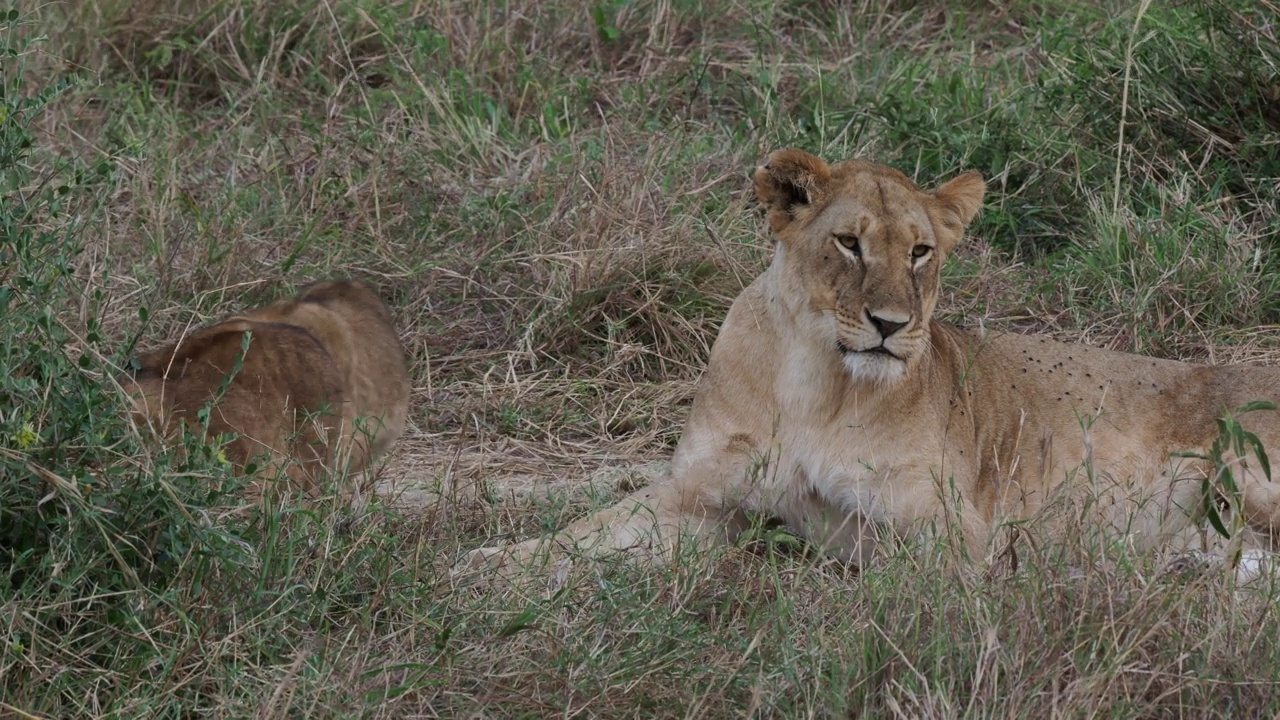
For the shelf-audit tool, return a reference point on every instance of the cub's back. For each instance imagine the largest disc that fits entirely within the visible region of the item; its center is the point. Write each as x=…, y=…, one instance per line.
x=285, y=395
x=355, y=326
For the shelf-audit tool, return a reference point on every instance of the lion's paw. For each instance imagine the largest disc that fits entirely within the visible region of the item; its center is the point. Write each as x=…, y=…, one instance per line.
x=505, y=563
x=487, y=560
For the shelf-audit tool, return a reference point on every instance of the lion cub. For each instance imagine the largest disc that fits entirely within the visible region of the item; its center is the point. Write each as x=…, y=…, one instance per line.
x=312, y=383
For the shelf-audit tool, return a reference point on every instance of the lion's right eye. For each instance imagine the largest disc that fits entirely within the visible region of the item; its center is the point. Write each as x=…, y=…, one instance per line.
x=850, y=243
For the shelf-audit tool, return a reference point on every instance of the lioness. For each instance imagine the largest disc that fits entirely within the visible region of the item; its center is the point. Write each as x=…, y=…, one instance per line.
x=834, y=401
x=322, y=384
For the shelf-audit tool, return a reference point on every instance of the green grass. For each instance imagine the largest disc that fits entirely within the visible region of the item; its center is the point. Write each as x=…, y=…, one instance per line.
x=553, y=197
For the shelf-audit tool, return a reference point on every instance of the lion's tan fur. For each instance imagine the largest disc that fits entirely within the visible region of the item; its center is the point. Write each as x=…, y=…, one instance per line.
x=800, y=416
x=321, y=388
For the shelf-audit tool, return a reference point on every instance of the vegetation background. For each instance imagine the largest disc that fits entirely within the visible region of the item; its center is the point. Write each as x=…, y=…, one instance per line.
x=552, y=196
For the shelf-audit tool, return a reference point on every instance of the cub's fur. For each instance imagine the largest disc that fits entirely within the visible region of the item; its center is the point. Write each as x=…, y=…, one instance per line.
x=355, y=327
x=835, y=401
x=322, y=386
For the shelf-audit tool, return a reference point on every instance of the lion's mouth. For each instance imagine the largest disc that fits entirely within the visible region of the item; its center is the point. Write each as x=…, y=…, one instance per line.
x=877, y=350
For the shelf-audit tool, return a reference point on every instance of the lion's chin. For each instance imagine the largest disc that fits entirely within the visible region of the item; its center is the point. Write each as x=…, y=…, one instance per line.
x=879, y=368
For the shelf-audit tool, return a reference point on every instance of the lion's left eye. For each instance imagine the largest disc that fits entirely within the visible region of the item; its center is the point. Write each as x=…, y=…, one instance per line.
x=920, y=251
x=850, y=243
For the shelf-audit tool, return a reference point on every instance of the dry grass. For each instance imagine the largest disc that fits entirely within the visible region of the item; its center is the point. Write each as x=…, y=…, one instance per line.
x=553, y=198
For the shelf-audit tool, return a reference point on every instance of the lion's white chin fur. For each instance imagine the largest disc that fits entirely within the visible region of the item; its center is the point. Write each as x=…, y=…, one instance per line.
x=874, y=368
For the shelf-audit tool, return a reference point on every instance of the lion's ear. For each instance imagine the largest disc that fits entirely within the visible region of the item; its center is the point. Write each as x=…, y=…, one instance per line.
x=957, y=202
x=787, y=181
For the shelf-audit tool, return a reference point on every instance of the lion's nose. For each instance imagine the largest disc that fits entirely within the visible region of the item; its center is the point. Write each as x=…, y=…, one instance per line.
x=885, y=326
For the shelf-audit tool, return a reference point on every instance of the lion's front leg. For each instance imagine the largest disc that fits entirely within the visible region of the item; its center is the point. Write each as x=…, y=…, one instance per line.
x=648, y=524
x=955, y=519
x=936, y=511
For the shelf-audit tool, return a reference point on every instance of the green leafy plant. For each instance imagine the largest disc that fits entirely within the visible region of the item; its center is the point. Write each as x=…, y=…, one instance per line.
x=604, y=15
x=93, y=528
x=1228, y=458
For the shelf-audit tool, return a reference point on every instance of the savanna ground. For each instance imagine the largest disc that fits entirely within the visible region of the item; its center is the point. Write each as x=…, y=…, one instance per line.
x=552, y=196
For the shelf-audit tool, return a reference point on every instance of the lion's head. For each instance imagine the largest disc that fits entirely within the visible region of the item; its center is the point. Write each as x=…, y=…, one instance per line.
x=861, y=247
